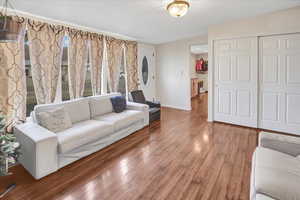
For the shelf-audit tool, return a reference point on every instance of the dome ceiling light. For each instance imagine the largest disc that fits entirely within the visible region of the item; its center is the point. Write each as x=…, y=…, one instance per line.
x=9, y=28
x=178, y=8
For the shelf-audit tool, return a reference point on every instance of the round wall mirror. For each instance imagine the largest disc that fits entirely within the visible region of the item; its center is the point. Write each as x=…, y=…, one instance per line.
x=145, y=70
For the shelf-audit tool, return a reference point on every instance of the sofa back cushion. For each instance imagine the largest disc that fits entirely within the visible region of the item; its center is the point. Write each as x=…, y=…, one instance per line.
x=100, y=105
x=78, y=109
x=55, y=120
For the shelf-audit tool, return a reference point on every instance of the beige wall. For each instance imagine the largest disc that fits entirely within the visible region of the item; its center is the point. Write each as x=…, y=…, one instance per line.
x=193, y=58
x=173, y=72
x=279, y=22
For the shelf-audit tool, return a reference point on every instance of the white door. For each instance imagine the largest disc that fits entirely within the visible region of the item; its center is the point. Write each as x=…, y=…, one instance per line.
x=280, y=83
x=235, y=81
x=146, y=66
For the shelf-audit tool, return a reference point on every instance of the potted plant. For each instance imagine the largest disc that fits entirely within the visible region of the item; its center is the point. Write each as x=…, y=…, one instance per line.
x=9, y=148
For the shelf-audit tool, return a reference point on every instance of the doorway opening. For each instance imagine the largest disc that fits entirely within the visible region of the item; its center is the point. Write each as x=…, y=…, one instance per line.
x=199, y=70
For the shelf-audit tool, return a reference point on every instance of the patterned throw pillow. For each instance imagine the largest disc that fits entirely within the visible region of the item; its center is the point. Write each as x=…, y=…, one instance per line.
x=55, y=120
x=118, y=103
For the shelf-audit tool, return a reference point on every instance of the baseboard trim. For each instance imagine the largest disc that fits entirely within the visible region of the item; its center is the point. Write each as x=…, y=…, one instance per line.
x=175, y=107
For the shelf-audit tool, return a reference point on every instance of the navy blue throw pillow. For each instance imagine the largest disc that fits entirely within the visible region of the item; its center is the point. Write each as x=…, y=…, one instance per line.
x=118, y=103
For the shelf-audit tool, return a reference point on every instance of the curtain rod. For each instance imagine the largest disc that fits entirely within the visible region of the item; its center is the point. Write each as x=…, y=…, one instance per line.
x=64, y=23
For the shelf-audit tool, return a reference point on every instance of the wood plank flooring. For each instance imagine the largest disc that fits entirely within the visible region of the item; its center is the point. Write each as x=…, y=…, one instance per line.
x=181, y=158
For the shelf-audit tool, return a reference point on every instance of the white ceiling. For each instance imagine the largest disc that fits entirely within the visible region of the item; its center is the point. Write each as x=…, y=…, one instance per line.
x=147, y=20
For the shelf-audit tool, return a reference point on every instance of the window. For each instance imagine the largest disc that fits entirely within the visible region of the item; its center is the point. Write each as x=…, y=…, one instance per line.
x=64, y=71
x=122, y=77
x=88, y=83
x=31, y=99
x=65, y=75
x=145, y=73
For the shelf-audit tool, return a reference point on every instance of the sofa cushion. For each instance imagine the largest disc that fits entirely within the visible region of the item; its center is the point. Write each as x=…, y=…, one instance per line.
x=82, y=133
x=55, y=120
x=118, y=103
x=78, y=109
x=123, y=119
x=101, y=105
x=276, y=174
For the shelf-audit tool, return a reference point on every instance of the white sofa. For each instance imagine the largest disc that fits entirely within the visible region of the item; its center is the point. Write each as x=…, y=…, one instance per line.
x=276, y=168
x=94, y=126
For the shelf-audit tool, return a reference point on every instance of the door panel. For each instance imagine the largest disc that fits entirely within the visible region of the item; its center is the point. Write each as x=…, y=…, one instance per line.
x=148, y=52
x=224, y=101
x=225, y=69
x=293, y=109
x=270, y=105
x=280, y=83
x=271, y=69
x=293, y=69
x=236, y=81
x=243, y=68
x=244, y=103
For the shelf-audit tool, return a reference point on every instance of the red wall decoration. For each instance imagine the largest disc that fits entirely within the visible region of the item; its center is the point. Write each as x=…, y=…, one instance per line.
x=201, y=65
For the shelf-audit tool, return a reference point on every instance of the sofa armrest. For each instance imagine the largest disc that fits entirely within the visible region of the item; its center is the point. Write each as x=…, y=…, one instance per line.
x=140, y=107
x=137, y=106
x=38, y=149
x=283, y=143
x=153, y=104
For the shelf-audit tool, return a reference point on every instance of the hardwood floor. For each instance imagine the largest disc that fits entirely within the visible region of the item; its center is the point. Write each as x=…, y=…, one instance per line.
x=182, y=157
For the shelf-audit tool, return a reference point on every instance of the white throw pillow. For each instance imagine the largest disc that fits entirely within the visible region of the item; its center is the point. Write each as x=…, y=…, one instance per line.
x=55, y=120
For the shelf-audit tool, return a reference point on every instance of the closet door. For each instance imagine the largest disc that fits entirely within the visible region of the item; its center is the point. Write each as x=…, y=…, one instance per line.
x=235, y=81
x=280, y=83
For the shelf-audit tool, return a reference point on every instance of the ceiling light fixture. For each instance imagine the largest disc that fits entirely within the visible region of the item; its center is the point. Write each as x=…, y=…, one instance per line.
x=9, y=28
x=178, y=8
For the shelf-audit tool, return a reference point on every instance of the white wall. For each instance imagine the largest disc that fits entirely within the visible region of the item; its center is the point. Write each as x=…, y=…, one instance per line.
x=280, y=22
x=202, y=55
x=173, y=72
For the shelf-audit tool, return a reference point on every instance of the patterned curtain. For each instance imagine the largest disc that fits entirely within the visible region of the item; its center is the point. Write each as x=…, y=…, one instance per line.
x=96, y=58
x=13, y=80
x=77, y=55
x=131, y=65
x=45, y=47
x=114, y=57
